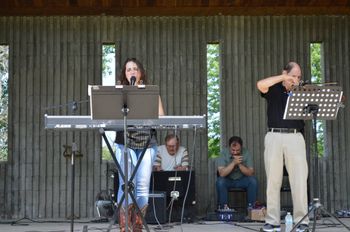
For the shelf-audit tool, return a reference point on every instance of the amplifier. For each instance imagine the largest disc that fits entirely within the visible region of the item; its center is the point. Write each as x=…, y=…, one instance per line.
x=156, y=208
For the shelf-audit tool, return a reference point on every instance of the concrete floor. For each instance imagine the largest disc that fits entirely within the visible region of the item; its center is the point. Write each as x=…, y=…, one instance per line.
x=323, y=225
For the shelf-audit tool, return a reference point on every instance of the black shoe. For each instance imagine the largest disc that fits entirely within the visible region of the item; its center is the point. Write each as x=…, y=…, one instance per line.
x=271, y=228
x=302, y=228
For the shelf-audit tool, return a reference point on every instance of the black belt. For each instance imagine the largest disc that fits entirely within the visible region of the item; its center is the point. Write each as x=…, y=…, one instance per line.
x=284, y=130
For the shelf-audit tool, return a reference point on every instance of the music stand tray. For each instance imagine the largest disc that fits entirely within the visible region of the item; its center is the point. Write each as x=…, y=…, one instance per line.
x=106, y=102
x=302, y=100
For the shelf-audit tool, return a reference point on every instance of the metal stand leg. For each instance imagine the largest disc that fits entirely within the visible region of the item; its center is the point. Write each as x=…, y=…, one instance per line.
x=128, y=186
x=316, y=205
x=72, y=153
x=316, y=208
x=74, y=150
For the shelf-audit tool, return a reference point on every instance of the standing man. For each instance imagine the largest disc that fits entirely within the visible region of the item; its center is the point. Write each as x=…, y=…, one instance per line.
x=235, y=170
x=284, y=143
x=171, y=156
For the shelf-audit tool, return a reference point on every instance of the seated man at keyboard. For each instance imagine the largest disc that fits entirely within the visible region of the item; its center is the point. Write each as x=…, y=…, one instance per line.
x=235, y=170
x=171, y=156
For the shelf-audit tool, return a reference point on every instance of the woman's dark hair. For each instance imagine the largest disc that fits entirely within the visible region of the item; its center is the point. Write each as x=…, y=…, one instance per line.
x=122, y=77
x=235, y=139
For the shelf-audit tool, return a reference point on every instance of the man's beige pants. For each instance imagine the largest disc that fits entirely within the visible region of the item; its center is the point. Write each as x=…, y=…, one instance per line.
x=289, y=147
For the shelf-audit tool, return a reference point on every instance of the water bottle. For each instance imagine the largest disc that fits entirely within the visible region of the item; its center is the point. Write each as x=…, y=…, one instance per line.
x=289, y=222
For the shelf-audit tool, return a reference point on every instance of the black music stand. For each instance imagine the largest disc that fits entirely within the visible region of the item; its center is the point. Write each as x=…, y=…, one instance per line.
x=135, y=102
x=314, y=102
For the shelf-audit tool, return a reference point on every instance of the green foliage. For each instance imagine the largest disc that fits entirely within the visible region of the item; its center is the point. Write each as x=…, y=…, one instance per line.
x=108, y=78
x=105, y=153
x=213, y=70
x=4, y=55
x=214, y=147
x=316, y=77
x=108, y=51
x=320, y=124
x=316, y=63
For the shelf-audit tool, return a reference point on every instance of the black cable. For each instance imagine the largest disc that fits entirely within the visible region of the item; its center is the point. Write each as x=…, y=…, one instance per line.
x=190, y=174
x=245, y=227
x=154, y=205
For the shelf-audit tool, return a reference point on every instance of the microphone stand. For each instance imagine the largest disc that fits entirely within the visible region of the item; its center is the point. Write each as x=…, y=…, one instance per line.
x=73, y=155
x=125, y=111
x=74, y=150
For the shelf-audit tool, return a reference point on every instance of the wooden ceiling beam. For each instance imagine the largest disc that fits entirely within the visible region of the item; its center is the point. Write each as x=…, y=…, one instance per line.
x=173, y=7
x=173, y=11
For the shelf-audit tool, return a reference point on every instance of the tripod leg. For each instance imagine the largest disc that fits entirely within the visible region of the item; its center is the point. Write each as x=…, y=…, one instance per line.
x=315, y=218
x=22, y=219
x=306, y=215
x=328, y=213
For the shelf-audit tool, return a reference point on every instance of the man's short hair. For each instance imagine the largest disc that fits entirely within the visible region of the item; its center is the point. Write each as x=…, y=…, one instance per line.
x=171, y=136
x=235, y=139
x=289, y=66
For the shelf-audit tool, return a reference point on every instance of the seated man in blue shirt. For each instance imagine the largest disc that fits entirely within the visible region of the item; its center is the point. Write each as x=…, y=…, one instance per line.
x=235, y=170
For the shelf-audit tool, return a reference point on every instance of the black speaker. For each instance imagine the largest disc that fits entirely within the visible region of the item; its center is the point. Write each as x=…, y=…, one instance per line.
x=156, y=208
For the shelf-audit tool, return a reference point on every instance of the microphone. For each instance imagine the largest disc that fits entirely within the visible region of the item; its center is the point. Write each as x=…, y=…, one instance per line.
x=132, y=80
x=74, y=106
